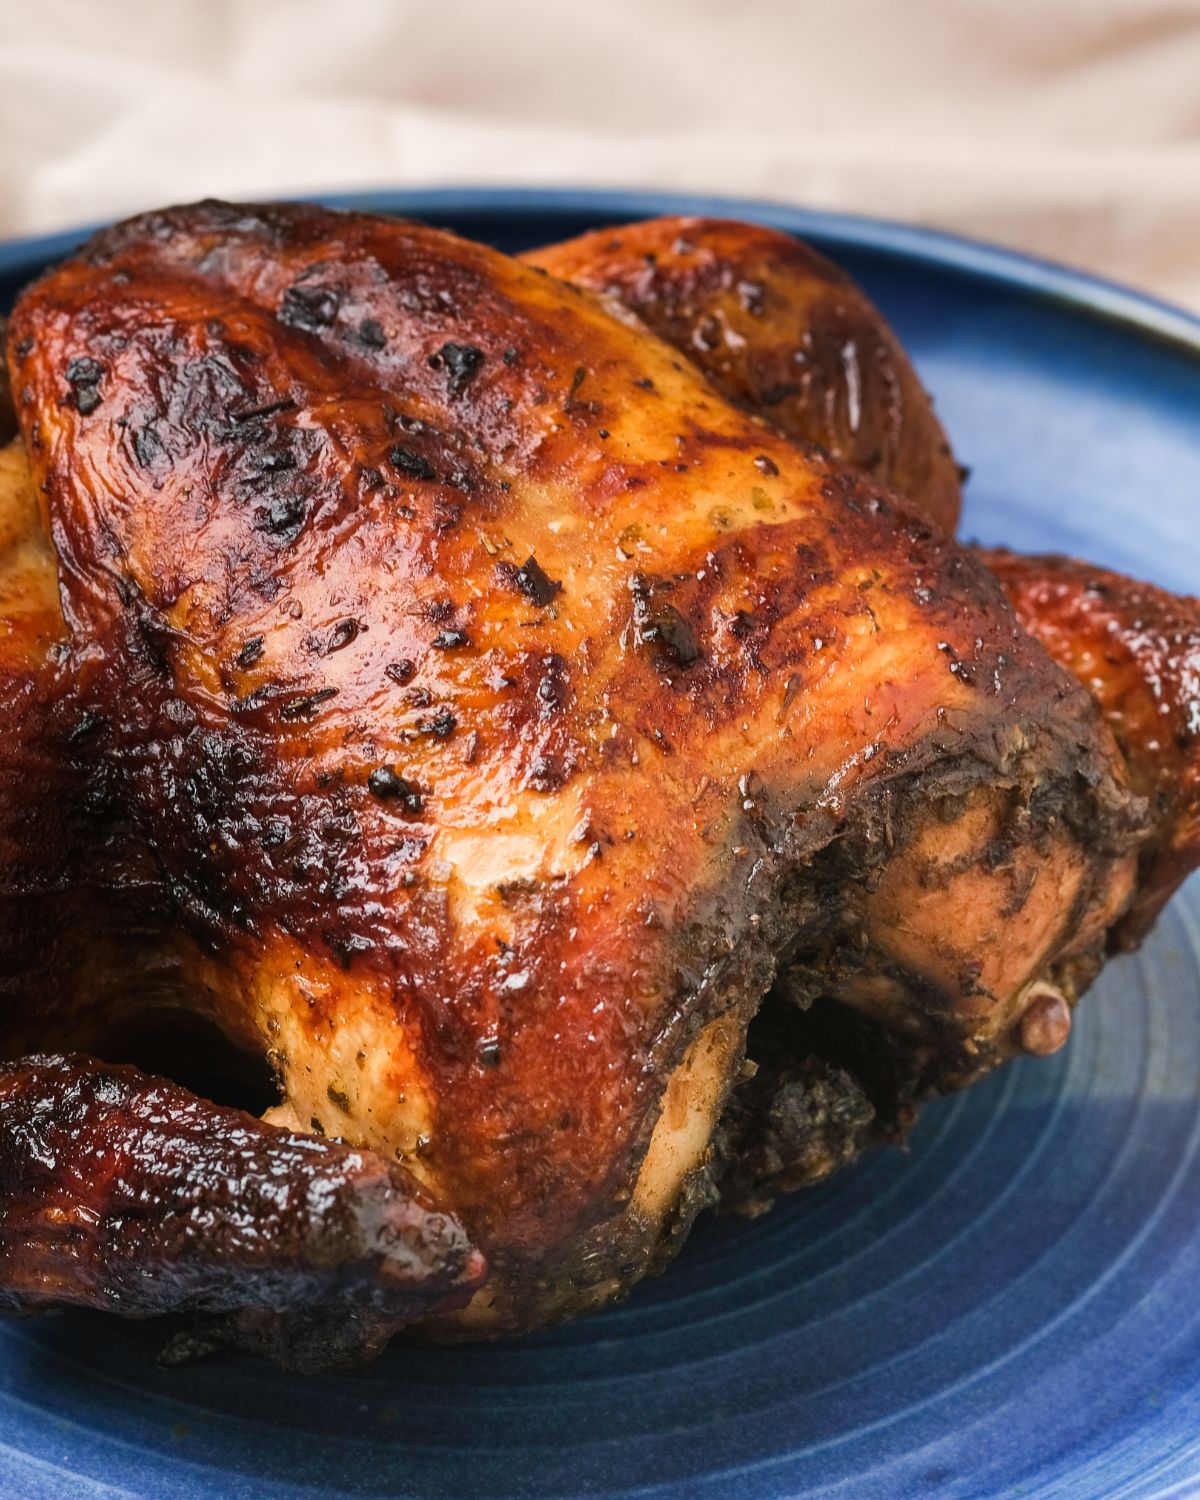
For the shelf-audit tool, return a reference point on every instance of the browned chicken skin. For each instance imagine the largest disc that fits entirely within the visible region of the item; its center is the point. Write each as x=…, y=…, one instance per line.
x=292, y=1244
x=745, y=302
x=784, y=334
x=738, y=300
x=476, y=712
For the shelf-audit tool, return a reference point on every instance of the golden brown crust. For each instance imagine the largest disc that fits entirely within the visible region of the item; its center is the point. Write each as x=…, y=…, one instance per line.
x=37, y=807
x=782, y=332
x=737, y=299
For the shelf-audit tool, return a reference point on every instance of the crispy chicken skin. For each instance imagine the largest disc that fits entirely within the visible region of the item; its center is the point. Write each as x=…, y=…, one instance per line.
x=37, y=828
x=477, y=711
x=127, y=1192
x=738, y=300
x=784, y=334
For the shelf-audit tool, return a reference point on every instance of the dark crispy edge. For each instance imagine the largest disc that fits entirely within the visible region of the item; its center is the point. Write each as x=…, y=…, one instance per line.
x=124, y=1192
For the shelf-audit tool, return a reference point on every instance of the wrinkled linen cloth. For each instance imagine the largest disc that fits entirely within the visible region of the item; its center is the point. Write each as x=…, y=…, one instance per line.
x=1070, y=128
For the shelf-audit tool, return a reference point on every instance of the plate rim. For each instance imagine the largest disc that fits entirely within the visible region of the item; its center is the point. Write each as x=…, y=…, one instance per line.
x=939, y=250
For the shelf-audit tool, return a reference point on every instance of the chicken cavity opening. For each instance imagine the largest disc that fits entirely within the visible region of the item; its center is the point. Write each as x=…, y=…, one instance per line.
x=190, y=1050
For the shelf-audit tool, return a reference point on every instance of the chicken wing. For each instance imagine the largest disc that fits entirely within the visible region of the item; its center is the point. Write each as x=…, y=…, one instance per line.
x=784, y=334
x=1137, y=649
x=127, y=1193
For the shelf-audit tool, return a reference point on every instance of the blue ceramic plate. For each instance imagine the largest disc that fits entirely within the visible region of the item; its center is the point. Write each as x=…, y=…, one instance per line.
x=1011, y=1308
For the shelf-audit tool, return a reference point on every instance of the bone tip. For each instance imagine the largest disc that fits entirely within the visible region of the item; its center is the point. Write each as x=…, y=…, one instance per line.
x=1045, y=1021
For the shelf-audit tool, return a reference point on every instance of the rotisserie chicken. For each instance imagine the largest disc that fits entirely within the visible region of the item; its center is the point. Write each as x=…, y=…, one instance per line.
x=479, y=698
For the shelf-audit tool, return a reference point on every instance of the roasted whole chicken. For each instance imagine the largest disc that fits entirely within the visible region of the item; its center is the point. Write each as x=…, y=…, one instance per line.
x=499, y=755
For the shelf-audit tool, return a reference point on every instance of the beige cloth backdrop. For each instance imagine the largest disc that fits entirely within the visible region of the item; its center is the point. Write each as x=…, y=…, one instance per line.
x=1070, y=127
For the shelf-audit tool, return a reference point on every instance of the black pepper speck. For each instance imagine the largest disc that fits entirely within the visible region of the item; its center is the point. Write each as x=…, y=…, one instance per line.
x=414, y=465
x=388, y=785
x=461, y=363
x=251, y=652
x=312, y=308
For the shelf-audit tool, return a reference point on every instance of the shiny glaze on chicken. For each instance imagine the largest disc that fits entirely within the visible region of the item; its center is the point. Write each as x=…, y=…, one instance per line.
x=784, y=334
